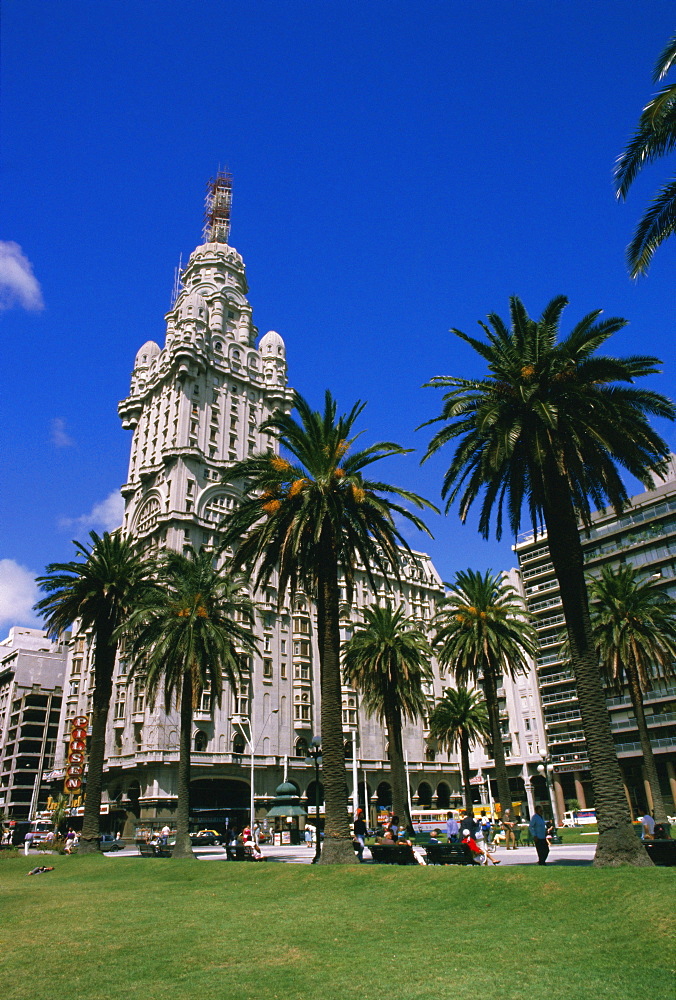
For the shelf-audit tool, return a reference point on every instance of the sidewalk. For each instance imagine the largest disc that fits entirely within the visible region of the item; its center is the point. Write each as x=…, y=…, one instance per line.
x=563, y=854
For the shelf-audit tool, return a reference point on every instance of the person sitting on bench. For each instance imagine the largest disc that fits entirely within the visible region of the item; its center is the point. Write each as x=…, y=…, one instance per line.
x=469, y=841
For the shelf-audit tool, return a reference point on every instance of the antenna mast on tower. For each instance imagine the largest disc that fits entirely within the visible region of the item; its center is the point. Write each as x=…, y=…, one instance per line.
x=217, y=207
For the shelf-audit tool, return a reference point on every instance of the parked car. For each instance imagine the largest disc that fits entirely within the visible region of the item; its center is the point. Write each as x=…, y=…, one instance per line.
x=110, y=843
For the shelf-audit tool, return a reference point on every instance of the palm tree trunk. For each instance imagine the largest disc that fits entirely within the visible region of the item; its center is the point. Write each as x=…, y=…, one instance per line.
x=636, y=695
x=337, y=846
x=104, y=665
x=617, y=843
x=464, y=767
x=502, y=778
x=183, y=848
x=397, y=765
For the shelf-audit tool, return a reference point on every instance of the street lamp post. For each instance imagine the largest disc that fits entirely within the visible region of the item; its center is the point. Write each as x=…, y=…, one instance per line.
x=314, y=756
x=240, y=722
x=546, y=769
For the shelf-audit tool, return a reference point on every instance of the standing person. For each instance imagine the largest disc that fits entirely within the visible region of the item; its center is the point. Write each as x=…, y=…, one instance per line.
x=486, y=826
x=164, y=839
x=537, y=828
x=360, y=831
x=508, y=829
x=452, y=829
x=469, y=823
x=27, y=841
x=257, y=833
x=648, y=825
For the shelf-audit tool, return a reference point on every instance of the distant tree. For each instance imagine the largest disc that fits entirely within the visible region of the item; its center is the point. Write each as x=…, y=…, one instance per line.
x=97, y=595
x=482, y=632
x=310, y=521
x=634, y=625
x=387, y=660
x=654, y=138
x=547, y=429
x=460, y=719
x=186, y=637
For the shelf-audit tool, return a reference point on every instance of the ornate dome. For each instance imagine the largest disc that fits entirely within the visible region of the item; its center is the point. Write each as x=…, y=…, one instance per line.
x=146, y=354
x=271, y=345
x=193, y=306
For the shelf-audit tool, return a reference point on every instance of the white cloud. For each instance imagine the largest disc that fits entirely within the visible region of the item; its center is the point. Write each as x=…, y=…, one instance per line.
x=18, y=284
x=18, y=594
x=58, y=434
x=104, y=516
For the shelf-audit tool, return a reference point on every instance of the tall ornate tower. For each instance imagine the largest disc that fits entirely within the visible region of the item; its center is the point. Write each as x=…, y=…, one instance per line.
x=196, y=405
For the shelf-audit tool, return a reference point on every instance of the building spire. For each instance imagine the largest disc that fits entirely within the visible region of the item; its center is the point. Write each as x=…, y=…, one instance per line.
x=217, y=205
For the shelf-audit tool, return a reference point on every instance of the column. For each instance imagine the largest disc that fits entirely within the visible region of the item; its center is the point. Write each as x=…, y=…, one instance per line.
x=579, y=789
x=558, y=794
x=647, y=789
x=529, y=789
x=671, y=773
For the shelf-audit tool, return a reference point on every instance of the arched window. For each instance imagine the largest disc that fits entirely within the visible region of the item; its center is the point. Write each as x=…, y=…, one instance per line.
x=347, y=750
x=200, y=740
x=238, y=743
x=301, y=747
x=147, y=516
x=430, y=754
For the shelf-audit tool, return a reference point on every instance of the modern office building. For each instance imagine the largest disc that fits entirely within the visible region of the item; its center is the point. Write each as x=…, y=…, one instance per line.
x=31, y=685
x=645, y=537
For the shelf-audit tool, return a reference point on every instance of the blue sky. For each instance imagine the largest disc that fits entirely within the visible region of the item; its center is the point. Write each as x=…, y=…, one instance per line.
x=399, y=169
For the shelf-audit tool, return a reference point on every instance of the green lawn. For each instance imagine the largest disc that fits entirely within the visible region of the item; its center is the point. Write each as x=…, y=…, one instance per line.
x=100, y=928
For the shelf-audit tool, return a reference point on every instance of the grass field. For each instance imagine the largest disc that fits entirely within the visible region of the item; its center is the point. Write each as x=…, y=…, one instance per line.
x=98, y=928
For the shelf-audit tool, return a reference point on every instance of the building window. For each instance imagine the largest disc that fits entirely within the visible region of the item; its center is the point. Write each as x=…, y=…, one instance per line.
x=301, y=671
x=282, y=671
x=200, y=741
x=301, y=747
x=267, y=669
x=238, y=743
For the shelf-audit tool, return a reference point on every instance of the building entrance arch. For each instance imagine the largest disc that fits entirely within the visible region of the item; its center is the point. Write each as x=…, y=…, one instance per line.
x=219, y=803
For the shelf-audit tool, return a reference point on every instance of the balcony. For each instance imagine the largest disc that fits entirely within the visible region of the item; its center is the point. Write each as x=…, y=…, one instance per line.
x=651, y=720
x=559, y=697
x=557, y=717
x=571, y=758
x=563, y=675
x=667, y=743
x=571, y=737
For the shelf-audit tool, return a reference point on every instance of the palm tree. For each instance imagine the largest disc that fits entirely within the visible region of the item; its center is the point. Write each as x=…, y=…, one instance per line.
x=387, y=660
x=186, y=637
x=97, y=594
x=483, y=632
x=310, y=521
x=634, y=625
x=654, y=138
x=460, y=719
x=547, y=428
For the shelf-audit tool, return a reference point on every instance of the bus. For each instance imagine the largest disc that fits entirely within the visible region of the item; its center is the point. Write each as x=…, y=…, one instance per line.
x=426, y=820
x=579, y=817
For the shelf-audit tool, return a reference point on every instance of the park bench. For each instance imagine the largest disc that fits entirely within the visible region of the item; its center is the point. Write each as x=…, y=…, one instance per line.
x=147, y=850
x=449, y=854
x=661, y=852
x=239, y=852
x=396, y=854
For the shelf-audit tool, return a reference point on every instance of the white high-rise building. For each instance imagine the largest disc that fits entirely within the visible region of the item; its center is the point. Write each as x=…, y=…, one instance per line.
x=195, y=405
